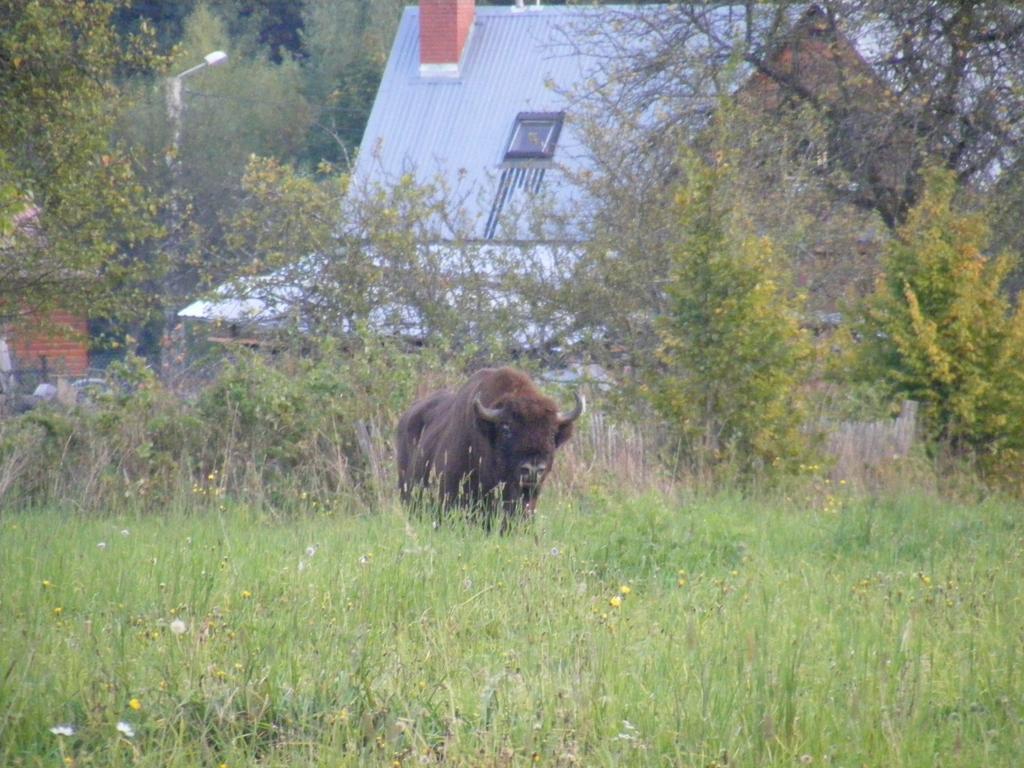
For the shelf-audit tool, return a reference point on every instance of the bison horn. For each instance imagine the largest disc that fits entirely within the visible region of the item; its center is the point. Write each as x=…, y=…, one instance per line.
x=485, y=413
x=581, y=404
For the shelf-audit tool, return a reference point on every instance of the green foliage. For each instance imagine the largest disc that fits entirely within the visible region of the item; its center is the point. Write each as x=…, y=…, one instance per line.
x=940, y=329
x=273, y=24
x=733, y=353
x=131, y=444
x=347, y=43
x=250, y=105
x=59, y=69
x=253, y=104
x=333, y=258
x=10, y=205
x=288, y=432
x=282, y=217
x=305, y=425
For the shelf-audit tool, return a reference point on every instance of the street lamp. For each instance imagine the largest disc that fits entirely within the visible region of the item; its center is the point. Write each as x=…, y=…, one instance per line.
x=175, y=108
x=175, y=105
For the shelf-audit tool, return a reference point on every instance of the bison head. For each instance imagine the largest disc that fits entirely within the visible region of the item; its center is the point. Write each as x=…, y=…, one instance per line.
x=524, y=433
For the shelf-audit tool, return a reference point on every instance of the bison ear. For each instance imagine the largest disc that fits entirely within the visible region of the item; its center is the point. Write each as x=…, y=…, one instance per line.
x=563, y=433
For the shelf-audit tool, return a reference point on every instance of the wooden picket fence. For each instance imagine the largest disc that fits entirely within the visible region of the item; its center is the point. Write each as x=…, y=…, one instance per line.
x=865, y=449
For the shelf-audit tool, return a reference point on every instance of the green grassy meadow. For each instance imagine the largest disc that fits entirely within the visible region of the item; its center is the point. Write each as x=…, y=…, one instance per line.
x=633, y=630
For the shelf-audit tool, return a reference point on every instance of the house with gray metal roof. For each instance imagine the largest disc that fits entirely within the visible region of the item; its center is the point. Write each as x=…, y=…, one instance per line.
x=473, y=99
x=482, y=97
x=477, y=97
x=480, y=100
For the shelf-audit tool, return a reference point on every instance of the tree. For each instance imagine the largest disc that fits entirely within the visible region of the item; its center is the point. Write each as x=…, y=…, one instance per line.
x=80, y=206
x=10, y=203
x=939, y=328
x=264, y=103
x=251, y=106
x=275, y=25
x=346, y=43
x=779, y=169
x=895, y=82
x=324, y=258
x=341, y=46
x=732, y=352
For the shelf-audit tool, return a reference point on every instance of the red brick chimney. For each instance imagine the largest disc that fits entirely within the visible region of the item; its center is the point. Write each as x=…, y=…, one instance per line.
x=444, y=28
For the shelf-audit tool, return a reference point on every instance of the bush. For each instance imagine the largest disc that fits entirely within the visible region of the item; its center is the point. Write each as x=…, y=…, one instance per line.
x=309, y=426
x=940, y=329
x=288, y=431
x=132, y=445
x=732, y=351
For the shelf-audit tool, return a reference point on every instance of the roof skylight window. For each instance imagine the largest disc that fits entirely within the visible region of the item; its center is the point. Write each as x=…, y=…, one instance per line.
x=534, y=136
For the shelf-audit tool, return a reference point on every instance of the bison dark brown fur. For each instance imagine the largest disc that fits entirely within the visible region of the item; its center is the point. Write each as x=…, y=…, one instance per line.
x=489, y=446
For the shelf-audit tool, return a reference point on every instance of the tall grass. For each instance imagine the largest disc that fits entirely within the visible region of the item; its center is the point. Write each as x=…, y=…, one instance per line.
x=616, y=630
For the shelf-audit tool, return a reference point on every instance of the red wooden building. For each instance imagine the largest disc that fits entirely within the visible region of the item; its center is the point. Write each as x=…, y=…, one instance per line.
x=40, y=346
x=57, y=346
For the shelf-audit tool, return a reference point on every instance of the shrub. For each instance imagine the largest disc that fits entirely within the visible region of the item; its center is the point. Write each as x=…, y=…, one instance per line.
x=309, y=425
x=731, y=346
x=132, y=445
x=288, y=431
x=940, y=329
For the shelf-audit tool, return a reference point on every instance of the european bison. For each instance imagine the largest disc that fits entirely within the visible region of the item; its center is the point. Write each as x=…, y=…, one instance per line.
x=489, y=446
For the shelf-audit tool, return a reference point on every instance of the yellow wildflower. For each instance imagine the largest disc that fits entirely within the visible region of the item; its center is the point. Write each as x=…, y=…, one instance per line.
x=615, y=602
x=135, y=704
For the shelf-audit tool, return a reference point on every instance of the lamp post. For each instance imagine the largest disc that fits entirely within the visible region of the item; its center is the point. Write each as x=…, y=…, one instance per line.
x=175, y=110
x=175, y=105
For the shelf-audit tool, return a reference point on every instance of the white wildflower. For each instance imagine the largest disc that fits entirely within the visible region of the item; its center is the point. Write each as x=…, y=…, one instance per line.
x=125, y=532
x=629, y=734
x=125, y=729
x=555, y=552
x=310, y=550
x=101, y=545
x=179, y=627
x=63, y=730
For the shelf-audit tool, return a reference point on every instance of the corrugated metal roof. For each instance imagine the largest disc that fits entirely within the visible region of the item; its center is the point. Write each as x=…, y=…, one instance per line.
x=515, y=61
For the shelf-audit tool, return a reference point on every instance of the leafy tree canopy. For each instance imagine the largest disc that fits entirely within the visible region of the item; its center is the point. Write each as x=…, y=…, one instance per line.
x=732, y=352
x=72, y=208
x=895, y=82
